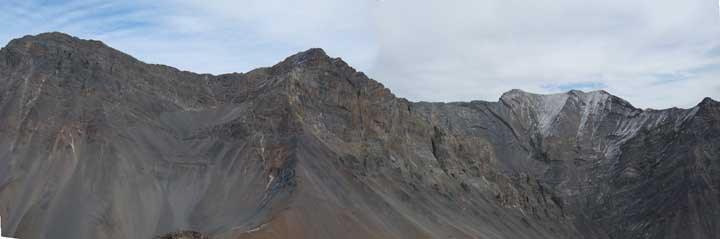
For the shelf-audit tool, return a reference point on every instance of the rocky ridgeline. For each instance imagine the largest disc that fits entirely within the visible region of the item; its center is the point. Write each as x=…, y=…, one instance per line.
x=96, y=144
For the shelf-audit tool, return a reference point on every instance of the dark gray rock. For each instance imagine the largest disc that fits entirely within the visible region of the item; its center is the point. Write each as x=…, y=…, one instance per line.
x=96, y=144
x=183, y=235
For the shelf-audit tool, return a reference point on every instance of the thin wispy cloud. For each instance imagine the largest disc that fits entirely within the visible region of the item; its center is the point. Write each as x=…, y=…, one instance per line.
x=655, y=54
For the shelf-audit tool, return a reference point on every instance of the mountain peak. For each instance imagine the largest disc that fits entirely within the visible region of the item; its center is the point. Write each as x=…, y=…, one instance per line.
x=708, y=104
x=56, y=39
x=708, y=101
x=313, y=52
x=56, y=47
x=592, y=92
x=312, y=56
x=518, y=92
x=53, y=35
x=514, y=94
x=595, y=96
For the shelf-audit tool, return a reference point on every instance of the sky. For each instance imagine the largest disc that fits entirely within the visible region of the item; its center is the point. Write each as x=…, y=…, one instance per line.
x=653, y=53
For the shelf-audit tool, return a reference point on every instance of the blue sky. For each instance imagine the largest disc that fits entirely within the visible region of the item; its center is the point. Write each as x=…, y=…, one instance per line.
x=655, y=54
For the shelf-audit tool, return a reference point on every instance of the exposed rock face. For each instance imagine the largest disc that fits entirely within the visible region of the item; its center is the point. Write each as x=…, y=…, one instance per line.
x=95, y=144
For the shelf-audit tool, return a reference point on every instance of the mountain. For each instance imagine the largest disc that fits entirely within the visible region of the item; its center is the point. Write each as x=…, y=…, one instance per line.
x=96, y=144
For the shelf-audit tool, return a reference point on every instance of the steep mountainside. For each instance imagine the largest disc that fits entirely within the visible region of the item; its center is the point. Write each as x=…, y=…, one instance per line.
x=96, y=144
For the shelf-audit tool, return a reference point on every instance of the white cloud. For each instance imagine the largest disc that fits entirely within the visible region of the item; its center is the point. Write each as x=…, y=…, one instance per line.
x=653, y=53
x=461, y=50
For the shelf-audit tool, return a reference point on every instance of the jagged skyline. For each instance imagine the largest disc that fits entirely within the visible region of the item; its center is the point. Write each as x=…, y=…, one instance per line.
x=655, y=54
x=96, y=144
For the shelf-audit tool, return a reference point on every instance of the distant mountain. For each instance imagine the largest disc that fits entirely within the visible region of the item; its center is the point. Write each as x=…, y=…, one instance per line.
x=96, y=144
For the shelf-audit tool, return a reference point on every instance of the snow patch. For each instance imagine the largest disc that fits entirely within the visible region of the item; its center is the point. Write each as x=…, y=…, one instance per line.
x=547, y=110
x=540, y=110
x=595, y=103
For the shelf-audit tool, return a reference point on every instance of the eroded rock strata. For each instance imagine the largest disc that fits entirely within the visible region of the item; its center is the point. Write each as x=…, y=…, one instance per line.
x=96, y=144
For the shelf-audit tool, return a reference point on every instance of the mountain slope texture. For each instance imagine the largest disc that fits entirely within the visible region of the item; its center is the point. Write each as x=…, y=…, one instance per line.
x=95, y=144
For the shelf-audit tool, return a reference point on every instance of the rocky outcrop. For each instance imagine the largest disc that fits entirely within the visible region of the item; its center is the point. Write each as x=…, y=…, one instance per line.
x=96, y=144
x=182, y=235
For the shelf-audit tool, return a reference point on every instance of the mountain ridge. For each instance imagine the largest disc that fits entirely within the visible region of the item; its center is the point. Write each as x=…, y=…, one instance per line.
x=313, y=54
x=97, y=144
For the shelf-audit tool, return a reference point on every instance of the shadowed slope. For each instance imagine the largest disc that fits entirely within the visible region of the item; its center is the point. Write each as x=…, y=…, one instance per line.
x=95, y=144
